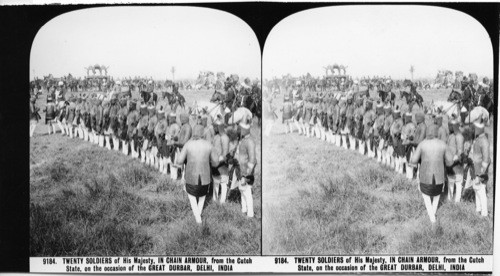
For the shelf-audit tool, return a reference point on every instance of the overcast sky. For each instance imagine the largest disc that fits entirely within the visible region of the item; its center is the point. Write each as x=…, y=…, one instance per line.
x=146, y=41
x=378, y=40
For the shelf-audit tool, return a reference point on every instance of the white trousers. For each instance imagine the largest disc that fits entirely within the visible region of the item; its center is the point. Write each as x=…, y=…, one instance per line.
x=344, y=141
x=297, y=125
x=246, y=199
x=369, y=151
x=116, y=145
x=101, y=141
x=32, y=129
x=455, y=185
x=124, y=147
x=481, y=198
x=220, y=183
x=361, y=147
x=59, y=124
x=197, y=207
x=431, y=204
x=352, y=142
x=108, y=144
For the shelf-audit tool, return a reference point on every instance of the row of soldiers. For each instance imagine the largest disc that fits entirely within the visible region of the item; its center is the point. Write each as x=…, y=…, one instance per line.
x=393, y=137
x=203, y=152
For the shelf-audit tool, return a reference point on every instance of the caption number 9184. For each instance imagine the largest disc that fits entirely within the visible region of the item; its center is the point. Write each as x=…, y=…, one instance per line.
x=49, y=261
x=280, y=260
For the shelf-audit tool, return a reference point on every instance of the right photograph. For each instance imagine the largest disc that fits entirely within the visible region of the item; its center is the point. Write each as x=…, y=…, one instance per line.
x=378, y=133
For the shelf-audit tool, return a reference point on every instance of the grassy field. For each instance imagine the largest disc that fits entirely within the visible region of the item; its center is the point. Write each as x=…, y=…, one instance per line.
x=321, y=199
x=86, y=200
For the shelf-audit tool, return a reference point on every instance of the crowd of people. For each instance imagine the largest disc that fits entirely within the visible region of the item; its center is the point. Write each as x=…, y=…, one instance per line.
x=209, y=156
x=421, y=146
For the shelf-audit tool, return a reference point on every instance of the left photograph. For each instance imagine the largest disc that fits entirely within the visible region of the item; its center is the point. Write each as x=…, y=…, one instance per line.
x=145, y=134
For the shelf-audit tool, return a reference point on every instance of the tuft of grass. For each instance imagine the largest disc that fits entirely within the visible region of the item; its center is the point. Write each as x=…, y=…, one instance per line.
x=58, y=171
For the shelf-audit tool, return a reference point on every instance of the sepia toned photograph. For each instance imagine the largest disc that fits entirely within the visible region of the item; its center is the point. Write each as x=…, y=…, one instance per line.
x=378, y=132
x=145, y=134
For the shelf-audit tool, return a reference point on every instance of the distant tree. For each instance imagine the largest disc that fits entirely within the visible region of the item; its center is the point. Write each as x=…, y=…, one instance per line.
x=412, y=69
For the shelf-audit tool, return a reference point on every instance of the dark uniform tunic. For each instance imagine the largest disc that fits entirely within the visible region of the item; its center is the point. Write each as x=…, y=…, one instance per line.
x=230, y=98
x=71, y=113
x=456, y=146
x=307, y=112
x=395, y=132
x=132, y=121
x=419, y=133
x=368, y=120
x=314, y=114
x=113, y=118
x=105, y=117
x=358, y=119
x=142, y=129
x=329, y=112
x=172, y=135
x=480, y=153
x=99, y=116
x=378, y=126
x=122, y=122
x=34, y=116
x=221, y=148
x=350, y=118
x=184, y=134
x=246, y=156
x=335, y=118
x=342, y=115
x=50, y=111
x=287, y=111
x=159, y=132
x=151, y=126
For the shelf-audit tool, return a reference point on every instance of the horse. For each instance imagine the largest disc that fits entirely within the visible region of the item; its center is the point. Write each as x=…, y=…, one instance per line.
x=484, y=100
x=174, y=99
x=411, y=99
x=407, y=83
x=387, y=96
x=217, y=97
x=465, y=99
x=455, y=96
x=249, y=102
x=253, y=102
x=477, y=113
x=149, y=96
x=216, y=111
